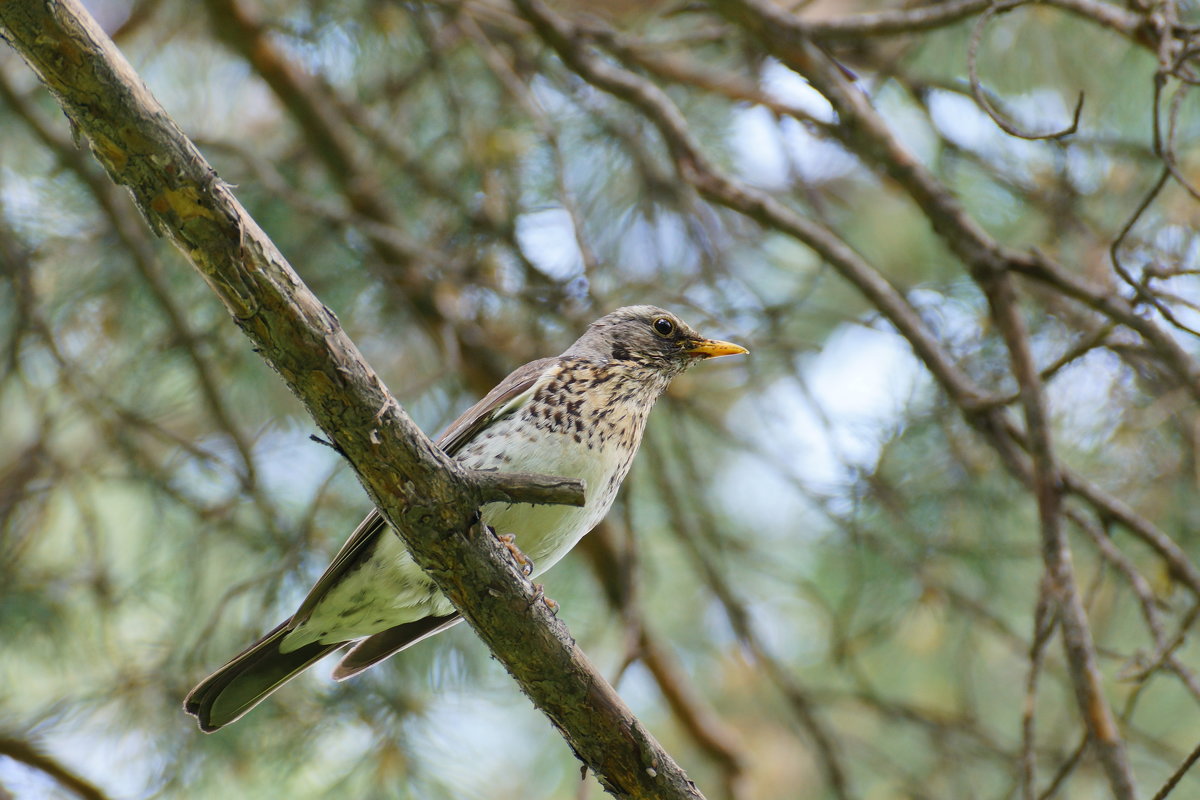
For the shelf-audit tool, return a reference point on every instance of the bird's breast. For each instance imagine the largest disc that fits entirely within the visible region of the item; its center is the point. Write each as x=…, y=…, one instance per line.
x=568, y=429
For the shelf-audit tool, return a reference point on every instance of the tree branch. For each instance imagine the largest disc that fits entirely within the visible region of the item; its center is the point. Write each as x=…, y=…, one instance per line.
x=523, y=487
x=1060, y=581
x=24, y=752
x=422, y=492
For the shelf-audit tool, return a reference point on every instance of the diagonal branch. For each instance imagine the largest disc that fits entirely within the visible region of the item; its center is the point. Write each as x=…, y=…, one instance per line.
x=26, y=753
x=1060, y=581
x=422, y=492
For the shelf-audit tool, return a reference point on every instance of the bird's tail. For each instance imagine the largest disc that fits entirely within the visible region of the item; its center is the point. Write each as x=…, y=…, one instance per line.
x=373, y=649
x=249, y=677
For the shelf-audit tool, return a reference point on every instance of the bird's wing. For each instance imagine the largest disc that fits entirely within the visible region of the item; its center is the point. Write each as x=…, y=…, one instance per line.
x=356, y=549
x=509, y=395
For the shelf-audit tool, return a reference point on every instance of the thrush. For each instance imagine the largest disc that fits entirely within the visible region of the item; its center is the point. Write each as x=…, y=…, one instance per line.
x=578, y=415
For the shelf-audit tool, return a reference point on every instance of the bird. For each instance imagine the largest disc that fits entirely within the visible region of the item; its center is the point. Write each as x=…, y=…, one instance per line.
x=577, y=415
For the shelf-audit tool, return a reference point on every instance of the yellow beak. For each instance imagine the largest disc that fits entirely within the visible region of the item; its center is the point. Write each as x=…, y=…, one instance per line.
x=713, y=348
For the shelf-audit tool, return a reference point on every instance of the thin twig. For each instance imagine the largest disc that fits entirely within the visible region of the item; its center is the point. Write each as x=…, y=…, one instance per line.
x=981, y=97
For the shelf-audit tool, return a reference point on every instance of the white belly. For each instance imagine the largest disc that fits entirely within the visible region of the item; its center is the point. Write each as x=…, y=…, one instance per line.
x=546, y=533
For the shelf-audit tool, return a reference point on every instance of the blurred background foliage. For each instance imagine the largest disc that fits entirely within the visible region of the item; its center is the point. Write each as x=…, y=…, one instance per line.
x=821, y=580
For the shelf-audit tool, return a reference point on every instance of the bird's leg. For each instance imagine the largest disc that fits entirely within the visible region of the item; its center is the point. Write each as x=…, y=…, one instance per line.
x=509, y=540
x=539, y=593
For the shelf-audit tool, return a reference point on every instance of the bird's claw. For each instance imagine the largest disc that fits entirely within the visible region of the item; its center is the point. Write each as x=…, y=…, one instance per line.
x=510, y=543
x=539, y=593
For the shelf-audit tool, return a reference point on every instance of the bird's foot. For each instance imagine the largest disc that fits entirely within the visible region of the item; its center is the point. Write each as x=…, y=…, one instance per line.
x=509, y=540
x=539, y=593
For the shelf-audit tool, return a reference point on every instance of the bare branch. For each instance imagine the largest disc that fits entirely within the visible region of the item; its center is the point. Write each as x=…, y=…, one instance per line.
x=519, y=487
x=25, y=753
x=981, y=97
x=1060, y=580
x=1177, y=776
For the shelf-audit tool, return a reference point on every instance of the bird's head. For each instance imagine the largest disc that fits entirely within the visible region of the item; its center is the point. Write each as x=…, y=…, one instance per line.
x=651, y=337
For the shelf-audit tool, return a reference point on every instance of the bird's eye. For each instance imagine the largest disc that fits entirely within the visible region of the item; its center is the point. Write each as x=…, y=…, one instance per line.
x=664, y=326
